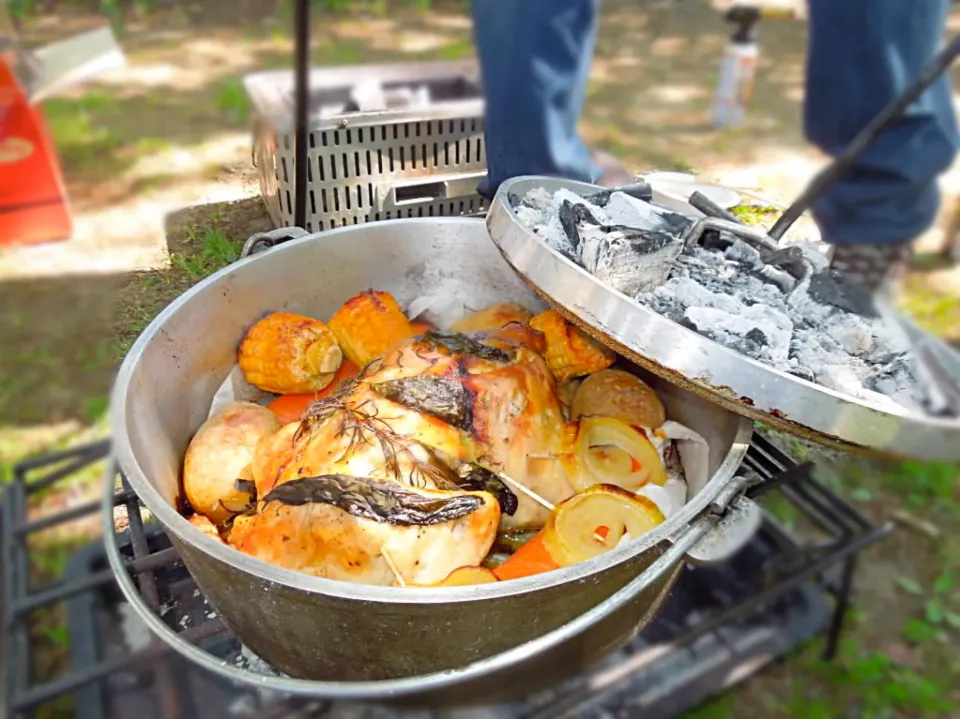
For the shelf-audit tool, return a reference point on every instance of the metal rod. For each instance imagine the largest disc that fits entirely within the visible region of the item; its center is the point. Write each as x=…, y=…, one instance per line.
x=52, y=520
x=840, y=610
x=832, y=172
x=302, y=89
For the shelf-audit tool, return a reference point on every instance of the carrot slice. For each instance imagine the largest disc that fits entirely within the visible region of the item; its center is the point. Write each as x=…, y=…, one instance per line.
x=290, y=407
x=421, y=328
x=532, y=558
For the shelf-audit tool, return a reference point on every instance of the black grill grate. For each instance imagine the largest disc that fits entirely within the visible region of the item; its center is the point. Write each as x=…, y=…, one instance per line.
x=720, y=621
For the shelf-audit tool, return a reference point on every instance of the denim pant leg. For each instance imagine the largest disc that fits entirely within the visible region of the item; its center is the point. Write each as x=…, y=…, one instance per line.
x=862, y=53
x=535, y=58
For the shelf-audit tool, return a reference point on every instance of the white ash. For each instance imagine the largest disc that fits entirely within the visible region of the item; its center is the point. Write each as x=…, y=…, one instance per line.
x=628, y=244
x=731, y=296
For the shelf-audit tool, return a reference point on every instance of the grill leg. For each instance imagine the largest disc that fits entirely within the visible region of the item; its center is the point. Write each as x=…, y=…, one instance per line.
x=840, y=610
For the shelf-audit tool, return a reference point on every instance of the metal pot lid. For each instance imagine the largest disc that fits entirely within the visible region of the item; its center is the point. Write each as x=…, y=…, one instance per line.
x=739, y=383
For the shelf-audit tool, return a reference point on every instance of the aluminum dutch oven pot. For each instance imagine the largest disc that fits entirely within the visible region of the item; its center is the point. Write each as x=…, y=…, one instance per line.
x=350, y=641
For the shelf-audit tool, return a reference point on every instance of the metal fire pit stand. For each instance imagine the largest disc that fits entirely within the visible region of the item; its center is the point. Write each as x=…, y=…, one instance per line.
x=716, y=624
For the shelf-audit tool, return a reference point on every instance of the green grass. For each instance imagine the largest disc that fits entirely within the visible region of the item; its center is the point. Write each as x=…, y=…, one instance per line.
x=935, y=311
x=232, y=101
x=755, y=214
x=215, y=252
x=82, y=143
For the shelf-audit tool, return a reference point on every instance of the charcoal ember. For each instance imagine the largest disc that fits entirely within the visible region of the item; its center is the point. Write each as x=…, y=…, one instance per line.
x=627, y=259
x=830, y=287
x=639, y=190
x=897, y=380
x=778, y=278
x=622, y=209
x=568, y=221
x=714, y=240
x=789, y=259
x=742, y=253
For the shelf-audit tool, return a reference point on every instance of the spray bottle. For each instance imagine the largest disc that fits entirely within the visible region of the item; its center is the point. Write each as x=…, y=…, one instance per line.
x=737, y=68
x=739, y=64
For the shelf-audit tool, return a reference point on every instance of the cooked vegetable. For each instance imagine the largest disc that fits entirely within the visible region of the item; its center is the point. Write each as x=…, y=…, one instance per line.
x=593, y=522
x=610, y=451
x=463, y=576
x=493, y=317
x=205, y=526
x=532, y=558
x=291, y=407
x=570, y=353
x=566, y=391
x=288, y=353
x=419, y=328
x=219, y=454
x=621, y=395
x=442, y=397
x=368, y=324
x=378, y=500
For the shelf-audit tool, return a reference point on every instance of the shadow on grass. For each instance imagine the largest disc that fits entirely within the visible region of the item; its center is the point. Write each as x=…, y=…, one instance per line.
x=61, y=338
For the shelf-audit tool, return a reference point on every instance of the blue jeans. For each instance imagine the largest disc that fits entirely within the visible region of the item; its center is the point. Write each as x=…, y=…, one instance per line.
x=535, y=58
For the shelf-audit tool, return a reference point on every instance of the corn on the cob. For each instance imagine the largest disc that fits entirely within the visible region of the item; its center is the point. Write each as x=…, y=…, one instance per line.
x=289, y=353
x=369, y=324
x=493, y=317
x=570, y=353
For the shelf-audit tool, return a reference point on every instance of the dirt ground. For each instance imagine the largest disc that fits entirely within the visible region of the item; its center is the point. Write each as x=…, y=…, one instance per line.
x=157, y=162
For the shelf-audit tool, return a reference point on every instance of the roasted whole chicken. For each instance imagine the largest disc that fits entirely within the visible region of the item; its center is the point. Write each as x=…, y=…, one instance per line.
x=411, y=471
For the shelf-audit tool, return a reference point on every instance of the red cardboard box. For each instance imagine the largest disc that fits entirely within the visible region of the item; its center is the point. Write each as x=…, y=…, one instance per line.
x=33, y=200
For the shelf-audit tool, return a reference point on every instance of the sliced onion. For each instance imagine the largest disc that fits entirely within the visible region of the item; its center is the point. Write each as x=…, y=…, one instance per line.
x=593, y=522
x=610, y=451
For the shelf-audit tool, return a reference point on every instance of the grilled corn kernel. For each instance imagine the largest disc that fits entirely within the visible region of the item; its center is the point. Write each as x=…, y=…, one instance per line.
x=570, y=353
x=288, y=353
x=368, y=325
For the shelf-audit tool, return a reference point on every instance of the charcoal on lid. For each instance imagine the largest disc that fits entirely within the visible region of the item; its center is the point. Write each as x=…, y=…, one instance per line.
x=830, y=287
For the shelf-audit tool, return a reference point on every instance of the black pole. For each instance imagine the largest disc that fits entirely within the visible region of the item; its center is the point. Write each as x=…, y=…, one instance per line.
x=832, y=172
x=301, y=30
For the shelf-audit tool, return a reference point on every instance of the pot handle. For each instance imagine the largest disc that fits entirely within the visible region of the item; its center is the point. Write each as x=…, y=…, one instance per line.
x=263, y=241
x=408, y=686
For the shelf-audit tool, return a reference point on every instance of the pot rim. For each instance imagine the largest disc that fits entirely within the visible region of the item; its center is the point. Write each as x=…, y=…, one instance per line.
x=172, y=520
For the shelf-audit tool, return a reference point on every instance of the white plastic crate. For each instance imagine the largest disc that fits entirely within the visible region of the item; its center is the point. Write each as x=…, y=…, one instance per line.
x=413, y=161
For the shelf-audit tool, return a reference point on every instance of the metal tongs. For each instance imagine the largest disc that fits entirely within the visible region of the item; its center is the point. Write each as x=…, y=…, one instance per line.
x=943, y=396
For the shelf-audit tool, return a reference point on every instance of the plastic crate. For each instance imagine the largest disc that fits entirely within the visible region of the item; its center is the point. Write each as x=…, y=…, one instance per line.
x=365, y=166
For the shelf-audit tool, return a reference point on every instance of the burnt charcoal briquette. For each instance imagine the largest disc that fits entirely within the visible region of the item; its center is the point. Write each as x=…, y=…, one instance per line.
x=743, y=254
x=642, y=241
x=713, y=240
x=756, y=335
x=638, y=190
x=789, y=259
x=830, y=287
x=783, y=281
x=568, y=221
